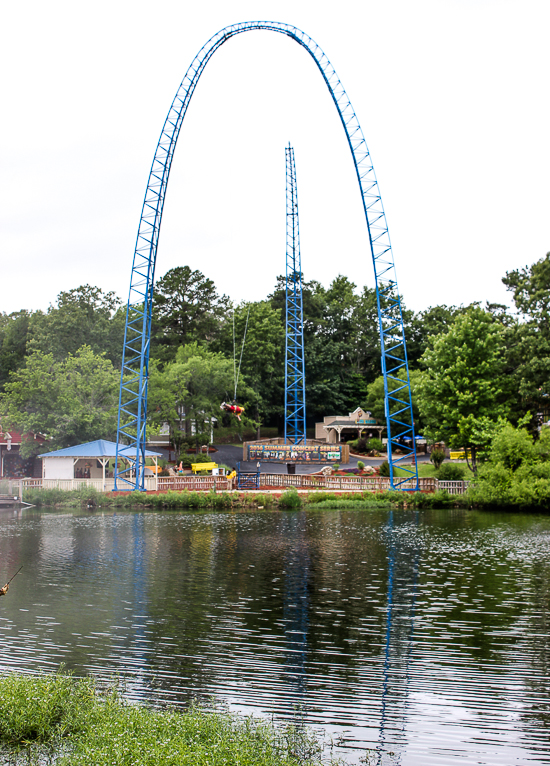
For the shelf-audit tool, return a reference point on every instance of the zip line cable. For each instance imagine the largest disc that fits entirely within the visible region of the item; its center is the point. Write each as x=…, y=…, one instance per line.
x=234, y=356
x=237, y=374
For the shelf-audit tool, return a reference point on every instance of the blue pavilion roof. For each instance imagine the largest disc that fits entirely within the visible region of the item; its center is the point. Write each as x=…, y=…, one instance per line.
x=99, y=448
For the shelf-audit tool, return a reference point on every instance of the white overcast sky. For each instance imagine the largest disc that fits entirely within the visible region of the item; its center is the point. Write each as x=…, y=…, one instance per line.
x=452, y=96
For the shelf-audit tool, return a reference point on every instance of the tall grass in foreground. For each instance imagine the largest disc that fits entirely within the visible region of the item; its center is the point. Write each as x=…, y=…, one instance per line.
x=59, y=720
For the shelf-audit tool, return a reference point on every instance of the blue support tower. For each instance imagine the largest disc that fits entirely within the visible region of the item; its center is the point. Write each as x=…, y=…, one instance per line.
x=132, y=413
x=295, y=381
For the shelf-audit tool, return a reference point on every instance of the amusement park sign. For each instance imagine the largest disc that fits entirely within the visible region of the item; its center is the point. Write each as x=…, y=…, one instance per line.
x=295, y=453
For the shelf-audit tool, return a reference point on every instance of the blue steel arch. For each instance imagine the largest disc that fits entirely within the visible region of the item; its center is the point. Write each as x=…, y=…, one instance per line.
x=132, y=412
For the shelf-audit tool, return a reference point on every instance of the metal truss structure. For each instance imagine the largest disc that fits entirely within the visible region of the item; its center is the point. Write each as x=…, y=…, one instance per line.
x=295, y=379
x=135, y=364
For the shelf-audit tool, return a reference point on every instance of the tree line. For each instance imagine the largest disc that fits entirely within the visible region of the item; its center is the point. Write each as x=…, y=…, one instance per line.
x=473, y=367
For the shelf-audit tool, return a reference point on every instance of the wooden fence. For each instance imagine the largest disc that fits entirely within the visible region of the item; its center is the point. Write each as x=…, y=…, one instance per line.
x=69, y=484
x=193, y=483
x=164, y=483
x=10, y=488
x=454, y=487
x=273, y=481
x=343, y=483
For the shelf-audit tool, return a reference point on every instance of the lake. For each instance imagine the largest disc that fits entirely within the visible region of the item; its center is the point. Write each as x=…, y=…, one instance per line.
x=421, y=636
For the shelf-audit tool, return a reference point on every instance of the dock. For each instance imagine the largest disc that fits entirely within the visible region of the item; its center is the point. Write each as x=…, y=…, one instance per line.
x=11, y=491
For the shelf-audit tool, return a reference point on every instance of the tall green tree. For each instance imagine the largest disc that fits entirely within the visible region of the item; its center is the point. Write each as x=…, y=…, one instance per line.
x=465, y=391
x=528, y=338
x=187, y=392
x=375, y=400
x=259, y=352
x=186, y=308
x=341, y=345
x=84, y=316
x=70, y=401
x=427, y=324
x=14, y=337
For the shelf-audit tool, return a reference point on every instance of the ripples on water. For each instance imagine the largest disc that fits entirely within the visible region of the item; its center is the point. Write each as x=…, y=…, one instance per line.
x=423, y=637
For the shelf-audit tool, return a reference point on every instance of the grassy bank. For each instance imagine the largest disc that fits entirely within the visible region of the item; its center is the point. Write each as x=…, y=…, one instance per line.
x=57, y=719
x=88, y=497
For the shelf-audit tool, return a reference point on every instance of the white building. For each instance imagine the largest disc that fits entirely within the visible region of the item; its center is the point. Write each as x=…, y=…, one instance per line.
x=87, y=464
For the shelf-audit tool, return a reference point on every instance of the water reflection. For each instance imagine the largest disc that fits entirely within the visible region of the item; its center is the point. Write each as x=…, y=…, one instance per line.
x=423, y=638
x=296, y=607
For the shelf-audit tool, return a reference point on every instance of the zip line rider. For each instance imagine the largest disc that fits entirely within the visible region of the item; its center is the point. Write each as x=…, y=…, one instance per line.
x=232, y=409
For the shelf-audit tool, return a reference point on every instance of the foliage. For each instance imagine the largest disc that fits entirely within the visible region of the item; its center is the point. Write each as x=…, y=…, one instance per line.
x=84, y=316
x=188, y=392
x=468, y=366
x=351, y=500
x=186, y=309
x=384, y=469
x=427, y=325
x=14, y=336
x=96, y=727
x=187, y=460
x=437, y=456
x=71, y=401
x=341, y=343
x=377, y=445
x=451, y=472
x=528, y=336
x=260, y=352
x=360, y=465
x=465, y=392
x=37, y=708
x=439, y=499
x=517, y=472
x=290, y=499
x=375, y=402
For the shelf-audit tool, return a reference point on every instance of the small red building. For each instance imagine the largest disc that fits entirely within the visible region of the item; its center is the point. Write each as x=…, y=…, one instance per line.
x=12, y=465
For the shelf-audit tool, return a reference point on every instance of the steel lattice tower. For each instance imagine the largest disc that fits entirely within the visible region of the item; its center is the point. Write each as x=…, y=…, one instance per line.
x=132, y=411
x=295, y=380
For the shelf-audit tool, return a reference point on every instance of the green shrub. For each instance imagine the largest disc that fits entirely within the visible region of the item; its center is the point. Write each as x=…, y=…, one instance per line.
x=376, y=444
x=35, y=709
x=437, y=457
x=360, y=465
x=439, y=499
x=384, y=469
x=451, y=472
x=290, y=499
x=336, y=466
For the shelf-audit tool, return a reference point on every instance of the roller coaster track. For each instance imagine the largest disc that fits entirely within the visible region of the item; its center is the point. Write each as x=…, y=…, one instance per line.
x=132, y=413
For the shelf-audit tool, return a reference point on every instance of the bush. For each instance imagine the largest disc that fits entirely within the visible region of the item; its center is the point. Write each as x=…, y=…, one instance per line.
x=360, y=465
x=437, y=457
x=377, y=445
x=335, y=466
x=451, y=472
x=290, y=499
x=384, y=469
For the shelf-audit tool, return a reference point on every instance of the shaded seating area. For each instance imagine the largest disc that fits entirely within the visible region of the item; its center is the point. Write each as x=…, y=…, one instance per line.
x=89, y=463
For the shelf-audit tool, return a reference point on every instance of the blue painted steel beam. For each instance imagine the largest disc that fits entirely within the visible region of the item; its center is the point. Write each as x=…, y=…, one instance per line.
x=135, y=365
x=295, y=380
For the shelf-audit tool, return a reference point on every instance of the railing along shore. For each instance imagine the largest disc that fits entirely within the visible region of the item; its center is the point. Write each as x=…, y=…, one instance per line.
x=311, y=482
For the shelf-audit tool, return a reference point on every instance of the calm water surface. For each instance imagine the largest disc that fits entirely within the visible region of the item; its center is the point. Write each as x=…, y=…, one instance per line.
x=422, y=636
